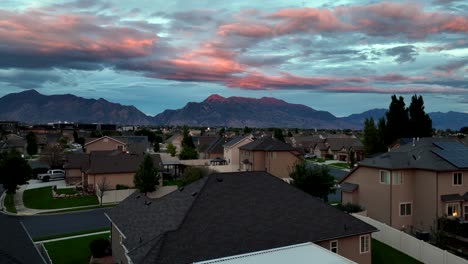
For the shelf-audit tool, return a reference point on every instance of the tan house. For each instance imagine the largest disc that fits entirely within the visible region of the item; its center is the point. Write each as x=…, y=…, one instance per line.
x=270, y=155
x=103, y=144
x=228, y=214
x=115, y=166
x=231, y=150
x=339, y=148
x=409, y=188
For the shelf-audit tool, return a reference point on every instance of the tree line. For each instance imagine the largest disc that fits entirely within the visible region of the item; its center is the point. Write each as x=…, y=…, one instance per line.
x=399, y=122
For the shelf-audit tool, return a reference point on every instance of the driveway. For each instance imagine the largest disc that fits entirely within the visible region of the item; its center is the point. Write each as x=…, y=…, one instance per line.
x=56, y=224
x=33, y=184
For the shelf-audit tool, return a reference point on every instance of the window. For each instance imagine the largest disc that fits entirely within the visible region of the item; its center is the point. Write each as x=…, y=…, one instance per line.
x=453, y=209
x=364, y=244
x=457, y=178
x=397, y=178
x=465, y=210
x=405, y=209
x=334, y=246
x=384, y=177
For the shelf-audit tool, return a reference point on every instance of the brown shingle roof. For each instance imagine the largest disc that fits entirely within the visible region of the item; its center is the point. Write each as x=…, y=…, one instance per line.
x=118, y=163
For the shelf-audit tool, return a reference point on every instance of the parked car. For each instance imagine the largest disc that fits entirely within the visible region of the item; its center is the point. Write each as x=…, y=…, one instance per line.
x=51, y=175
x=309, y=156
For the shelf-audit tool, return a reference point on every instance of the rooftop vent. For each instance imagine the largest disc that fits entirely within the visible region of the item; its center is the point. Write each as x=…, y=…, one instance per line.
x=219, y=179
x=194, y=193
x=147, y=203
x=181, y=189
x=138, y=196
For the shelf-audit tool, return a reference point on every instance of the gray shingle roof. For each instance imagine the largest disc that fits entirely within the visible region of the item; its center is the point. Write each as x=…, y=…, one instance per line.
x=267, y=144
x=16, y=246
x=419, y=156
x=349, y=187
x=227, y=214
x=451, y=197
x=118, y=163
x=234, y=141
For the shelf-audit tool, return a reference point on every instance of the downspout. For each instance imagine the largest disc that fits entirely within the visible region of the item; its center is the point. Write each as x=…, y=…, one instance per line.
x=391, y=202
x=437, y=198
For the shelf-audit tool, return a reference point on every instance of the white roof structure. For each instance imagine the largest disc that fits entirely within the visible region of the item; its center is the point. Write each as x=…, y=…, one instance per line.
x=305, y=253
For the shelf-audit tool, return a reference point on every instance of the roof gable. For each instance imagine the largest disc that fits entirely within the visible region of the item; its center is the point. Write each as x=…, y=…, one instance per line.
x=102, y=138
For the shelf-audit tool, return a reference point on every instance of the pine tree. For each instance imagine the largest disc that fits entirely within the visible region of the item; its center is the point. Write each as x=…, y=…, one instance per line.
x=397, y=120
x=31, y=140
x=370, y=137
x=278, y=134
x=420, y=122
x=147, y=177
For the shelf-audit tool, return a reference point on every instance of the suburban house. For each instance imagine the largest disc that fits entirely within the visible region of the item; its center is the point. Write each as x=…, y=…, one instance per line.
x=410, y=187
x=203, y=143
x=339, y=148
x=104, y=143
x=16, y=246
x=13, y=142
x=175, y=140
x=270, y=155
x=231, y=150
x=228, y=214
x=305, y=142
x=115, y=166
x=131, y=144
x=216, y=150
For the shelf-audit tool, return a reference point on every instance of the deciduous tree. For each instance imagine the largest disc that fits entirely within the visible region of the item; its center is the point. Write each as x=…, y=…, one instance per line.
x=315, y=180
x=14, y=170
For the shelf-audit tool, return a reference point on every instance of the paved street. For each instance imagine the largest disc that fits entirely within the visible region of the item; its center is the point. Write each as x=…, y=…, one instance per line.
x=45, y=225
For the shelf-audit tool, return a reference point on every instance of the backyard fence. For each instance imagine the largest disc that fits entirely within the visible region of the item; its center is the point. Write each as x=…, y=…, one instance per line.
x=411, y=246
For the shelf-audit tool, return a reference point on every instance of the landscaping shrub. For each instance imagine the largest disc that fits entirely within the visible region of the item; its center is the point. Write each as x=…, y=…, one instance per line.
x=329, y=157
x=192, y=174
x=100, y=248
x=350, y=208
x=121, y=187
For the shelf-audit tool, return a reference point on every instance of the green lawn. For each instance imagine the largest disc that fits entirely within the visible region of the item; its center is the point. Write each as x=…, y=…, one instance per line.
x=173, y=182
x=66, y=191
x=72, y=251
x=10, y=203
x=383, y=254
x=340, y=165
x=70, y=234
x=41, y=198
x=80, y=208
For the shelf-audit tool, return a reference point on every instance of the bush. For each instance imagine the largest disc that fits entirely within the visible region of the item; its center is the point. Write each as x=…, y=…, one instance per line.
x=329, y=157
x=350, y=208
x=100, y=248
x=192, y=174
x=121, y=187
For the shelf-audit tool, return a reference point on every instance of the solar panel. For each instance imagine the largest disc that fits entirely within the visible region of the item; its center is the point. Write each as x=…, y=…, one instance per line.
x=453, y=152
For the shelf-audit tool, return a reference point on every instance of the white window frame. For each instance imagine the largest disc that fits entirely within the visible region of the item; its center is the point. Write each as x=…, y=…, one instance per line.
x=465, y=212
x=451, y=204
x=461, y=179
x=334, y=247
x=366, y=240
x=406, y=204
x=397, y=177
x=388, y=174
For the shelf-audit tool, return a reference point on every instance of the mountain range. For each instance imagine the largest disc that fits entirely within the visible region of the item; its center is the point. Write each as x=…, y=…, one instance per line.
x=32, y=107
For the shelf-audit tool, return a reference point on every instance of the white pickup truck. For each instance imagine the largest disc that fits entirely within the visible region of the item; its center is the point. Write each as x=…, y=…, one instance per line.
x=51, y=175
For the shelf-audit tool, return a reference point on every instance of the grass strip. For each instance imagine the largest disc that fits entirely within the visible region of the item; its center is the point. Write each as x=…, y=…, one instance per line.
x=384, y=254
x=9, y=203
x=41, y=198
x=70, y=234
x=72, y=251
x=80, y=209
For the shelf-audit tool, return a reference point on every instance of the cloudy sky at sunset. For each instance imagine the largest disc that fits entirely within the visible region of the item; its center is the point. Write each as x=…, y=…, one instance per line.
x=340, y=56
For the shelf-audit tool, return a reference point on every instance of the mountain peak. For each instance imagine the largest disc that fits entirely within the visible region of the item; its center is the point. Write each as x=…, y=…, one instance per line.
x=214, y=98
x=271, y=100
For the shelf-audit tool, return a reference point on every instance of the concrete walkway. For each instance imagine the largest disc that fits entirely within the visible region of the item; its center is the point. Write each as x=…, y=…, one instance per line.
x=71, y=237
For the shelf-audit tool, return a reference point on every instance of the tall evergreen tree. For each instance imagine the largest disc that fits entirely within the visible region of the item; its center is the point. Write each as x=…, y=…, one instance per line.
x=188, y=150
x=14, y=170
x=381, y=135
x=420, y=122
x=147, y=177
x=278, y=134
x=397, y=120
x=31, y=141
x=370, y=137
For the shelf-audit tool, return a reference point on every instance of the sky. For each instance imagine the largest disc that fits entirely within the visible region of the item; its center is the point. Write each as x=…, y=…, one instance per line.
x=340, y=56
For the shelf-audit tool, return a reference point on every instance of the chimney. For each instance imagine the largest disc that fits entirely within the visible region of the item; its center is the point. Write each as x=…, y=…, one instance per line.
x=414, y=142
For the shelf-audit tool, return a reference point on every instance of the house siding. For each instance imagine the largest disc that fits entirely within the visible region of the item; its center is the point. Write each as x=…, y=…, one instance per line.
x=100, y=145
x=425, y=204
x=280, y=164
x=231, y=155
x=118, y=251
x=73, y=176
x=348, y=247
x=112, y=179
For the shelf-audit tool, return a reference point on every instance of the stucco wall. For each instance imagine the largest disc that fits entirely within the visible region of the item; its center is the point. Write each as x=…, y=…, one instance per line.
x=446, y=187
x=425, y=202
x=348, y=247
x=112, y=179
x=103, y=145
x=280, y=164
x=73, y=176
x=402, y=193
x=375, y=197
x=118, y=252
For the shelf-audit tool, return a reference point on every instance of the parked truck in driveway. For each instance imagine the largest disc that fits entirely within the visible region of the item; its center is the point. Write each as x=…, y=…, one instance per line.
x=51, y=175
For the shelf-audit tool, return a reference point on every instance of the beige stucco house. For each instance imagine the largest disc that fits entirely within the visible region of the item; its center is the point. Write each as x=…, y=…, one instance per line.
x=103, y=144
x=270, y=155
x=409, y=188
x=228, y=214
x=231, y=150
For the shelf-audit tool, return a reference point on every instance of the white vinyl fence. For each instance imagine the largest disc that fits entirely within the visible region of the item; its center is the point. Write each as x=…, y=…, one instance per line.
x=411, y=246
